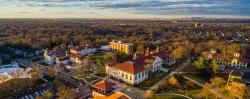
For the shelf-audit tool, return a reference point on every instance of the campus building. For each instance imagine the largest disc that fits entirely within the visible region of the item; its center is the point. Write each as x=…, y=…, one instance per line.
x=225, y=61
x=118, y=46
x=137, y=70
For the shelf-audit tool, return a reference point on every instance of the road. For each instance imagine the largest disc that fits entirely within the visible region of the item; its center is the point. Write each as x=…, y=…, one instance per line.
x=187, y=63
x=202, y=85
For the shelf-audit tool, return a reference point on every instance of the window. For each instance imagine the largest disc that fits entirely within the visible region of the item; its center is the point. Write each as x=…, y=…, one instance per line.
x=130, y=77
x=126, y=76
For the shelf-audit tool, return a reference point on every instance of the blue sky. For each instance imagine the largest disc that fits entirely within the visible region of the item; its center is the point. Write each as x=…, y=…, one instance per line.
x=123, y=8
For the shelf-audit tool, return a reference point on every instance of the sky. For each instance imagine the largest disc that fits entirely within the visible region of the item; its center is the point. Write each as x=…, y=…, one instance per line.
x=124, y=8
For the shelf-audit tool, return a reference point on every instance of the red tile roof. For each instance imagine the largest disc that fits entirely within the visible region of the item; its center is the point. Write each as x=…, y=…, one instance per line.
x=77, y=56
x=104, y=85
x=131, y=67
x=140, y=63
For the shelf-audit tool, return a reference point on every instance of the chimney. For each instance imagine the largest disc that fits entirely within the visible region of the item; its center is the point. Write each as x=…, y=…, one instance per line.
x=147, y=52
x=134, y=56
x=66, y=53
x=151, y=52
x=213, y=51
x=157, y=49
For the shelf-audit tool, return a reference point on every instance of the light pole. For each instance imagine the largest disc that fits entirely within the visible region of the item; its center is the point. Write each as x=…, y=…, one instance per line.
x=229, y=77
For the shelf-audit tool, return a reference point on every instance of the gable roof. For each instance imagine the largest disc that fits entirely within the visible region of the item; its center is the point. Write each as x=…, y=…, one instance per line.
x=81, y=57
x=104, y=85
x=131, y=67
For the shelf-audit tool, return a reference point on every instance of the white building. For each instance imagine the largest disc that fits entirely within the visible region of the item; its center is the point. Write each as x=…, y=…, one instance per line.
x=129, y=72
x=105, y=47
x=63, y=60
x=135, y=71
x=83, y=51
x=226, y=61
x=49, y=57
x=11, y=71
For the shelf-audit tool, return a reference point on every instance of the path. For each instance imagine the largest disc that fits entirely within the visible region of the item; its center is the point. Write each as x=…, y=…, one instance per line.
x=155, y=86
x=174, y=94
x=202, y=85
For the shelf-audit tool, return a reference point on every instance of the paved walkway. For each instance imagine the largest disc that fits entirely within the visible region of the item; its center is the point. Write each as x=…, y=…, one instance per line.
x=187, y=63
x=174, y=94
x=202, y=85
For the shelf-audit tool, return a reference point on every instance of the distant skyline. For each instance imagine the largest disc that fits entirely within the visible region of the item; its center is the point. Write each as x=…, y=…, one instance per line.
x=124, y=8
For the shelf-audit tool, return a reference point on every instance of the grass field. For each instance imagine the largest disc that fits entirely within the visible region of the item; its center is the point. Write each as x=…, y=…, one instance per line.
x=153, y=79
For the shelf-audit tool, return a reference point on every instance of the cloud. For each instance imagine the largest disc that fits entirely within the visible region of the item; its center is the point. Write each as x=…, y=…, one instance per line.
x=136, y=7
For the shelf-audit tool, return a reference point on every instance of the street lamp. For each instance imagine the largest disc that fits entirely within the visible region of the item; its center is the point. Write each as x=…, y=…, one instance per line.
x=229, y=77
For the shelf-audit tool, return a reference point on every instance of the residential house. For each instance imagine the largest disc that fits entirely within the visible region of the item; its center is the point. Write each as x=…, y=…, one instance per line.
x=105, y=47
x=49, y=57
x=83, y=50
x=10, y=71
x=76, y=57
x=62, y=58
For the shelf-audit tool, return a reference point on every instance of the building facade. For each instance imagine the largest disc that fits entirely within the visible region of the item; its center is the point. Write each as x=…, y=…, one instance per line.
x=137, y=70
x=118, y=46
x=225, y=61
x=49, y=57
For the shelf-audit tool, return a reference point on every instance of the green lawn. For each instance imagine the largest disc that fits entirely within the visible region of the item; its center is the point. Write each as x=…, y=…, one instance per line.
x=198, y=77
x=153, y=79
x=203, y=79
x=96, y=57
x=168, y=96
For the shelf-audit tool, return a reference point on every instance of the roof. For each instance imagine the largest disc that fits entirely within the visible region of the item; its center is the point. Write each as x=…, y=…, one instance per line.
x=244, y=60
x=104, y=85
x=116, y=95
x=246, y=77
x=141, y=63
x=131, y=67
x=62, y=58
x=162, y=54
x=76, y=56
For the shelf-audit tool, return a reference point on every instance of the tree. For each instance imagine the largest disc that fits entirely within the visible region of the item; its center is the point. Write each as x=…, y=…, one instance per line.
x=47, y=94
x=199, y=64
x=236, y=90
x=64, y=92
x=216, y=85
x=150, y=95
x=181, y=52
x=213, y=66
x=100, y=68
x=172, y=81
x=208, y=67
x=108, y=57
x=140, y=48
